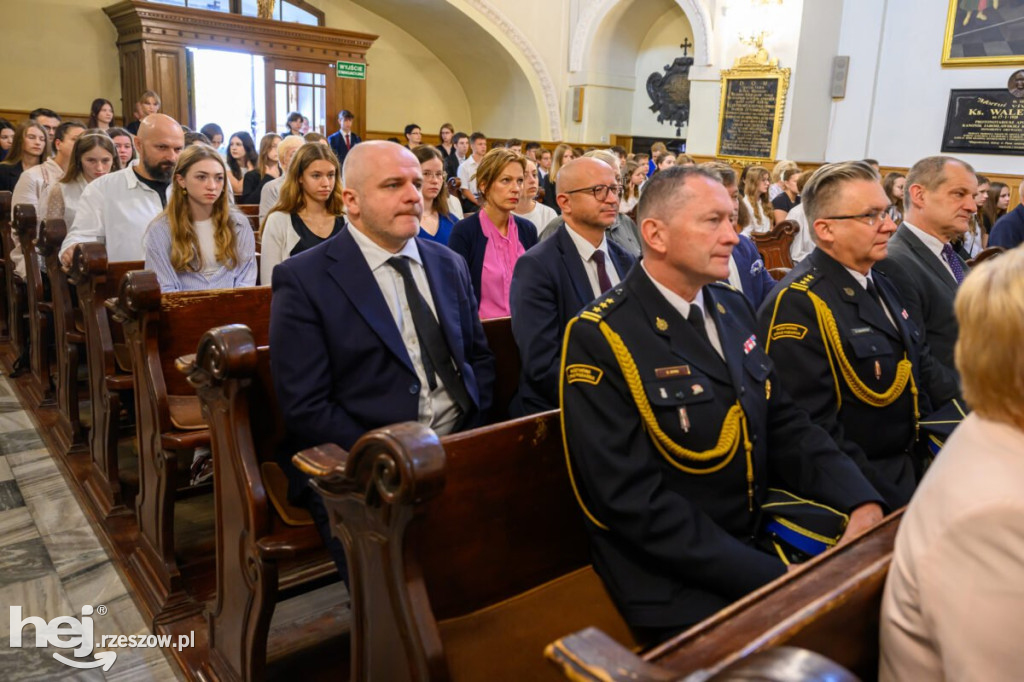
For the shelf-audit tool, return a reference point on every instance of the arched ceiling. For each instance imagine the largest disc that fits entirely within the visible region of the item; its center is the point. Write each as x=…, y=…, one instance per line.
x=505, y=95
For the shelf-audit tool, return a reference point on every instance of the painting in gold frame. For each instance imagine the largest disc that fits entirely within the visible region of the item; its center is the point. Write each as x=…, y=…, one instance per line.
x=984, y=33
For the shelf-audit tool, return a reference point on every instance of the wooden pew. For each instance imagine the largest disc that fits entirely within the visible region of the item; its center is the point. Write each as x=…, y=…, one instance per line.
x=465, y=553
x=506, y=364
x=830, y=606
x=14, y=285
x=69, y=339
x=259, y=535
x=5, y=217
x=39, y=308
x=159, y=329
x=984, y=255
x=110, y=379
x=252, y=212
x=774, y=246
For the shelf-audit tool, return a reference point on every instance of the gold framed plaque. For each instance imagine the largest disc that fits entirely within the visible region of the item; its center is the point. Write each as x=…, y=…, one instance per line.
x=751, y=110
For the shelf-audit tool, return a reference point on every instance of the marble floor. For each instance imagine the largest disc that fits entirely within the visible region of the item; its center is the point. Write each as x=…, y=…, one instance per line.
x=52, y=564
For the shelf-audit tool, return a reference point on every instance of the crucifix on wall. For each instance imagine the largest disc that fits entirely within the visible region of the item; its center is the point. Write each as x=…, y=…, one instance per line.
x=686, y=45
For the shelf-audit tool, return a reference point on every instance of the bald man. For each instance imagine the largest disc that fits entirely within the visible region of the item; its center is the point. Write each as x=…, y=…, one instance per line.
x=375, y=326
x=555, y=279
x=117, y=208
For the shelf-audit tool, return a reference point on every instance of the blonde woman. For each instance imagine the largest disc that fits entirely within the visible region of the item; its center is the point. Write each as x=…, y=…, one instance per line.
x=198, y=241
x=563, y=154
x=308, y=211
x=755, y=196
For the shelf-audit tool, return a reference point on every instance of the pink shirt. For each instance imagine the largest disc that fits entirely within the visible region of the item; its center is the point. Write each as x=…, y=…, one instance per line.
x=500, y=258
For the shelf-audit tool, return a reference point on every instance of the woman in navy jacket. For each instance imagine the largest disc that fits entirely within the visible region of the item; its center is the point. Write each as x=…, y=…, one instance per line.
x=492, y=239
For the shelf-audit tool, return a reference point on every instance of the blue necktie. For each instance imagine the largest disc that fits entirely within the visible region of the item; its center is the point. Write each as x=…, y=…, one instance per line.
x=954, y=262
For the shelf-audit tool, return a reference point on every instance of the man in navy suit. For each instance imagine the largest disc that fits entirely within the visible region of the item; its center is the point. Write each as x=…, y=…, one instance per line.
x=556, y=278
x=374, y=327
x=343, y=140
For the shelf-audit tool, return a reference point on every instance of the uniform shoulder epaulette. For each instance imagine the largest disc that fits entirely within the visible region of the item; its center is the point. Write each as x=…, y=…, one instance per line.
x=603, y=305
x=805, y=282
x=725, y=285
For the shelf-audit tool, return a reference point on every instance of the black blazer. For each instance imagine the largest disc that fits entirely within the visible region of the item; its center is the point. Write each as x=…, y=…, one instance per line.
x=468, y=241
x=927, y=289
x=337, y=142
x=549, y=287
x=9, y=174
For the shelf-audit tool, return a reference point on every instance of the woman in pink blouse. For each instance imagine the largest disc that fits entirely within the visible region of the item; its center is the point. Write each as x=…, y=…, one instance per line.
x=492, y=239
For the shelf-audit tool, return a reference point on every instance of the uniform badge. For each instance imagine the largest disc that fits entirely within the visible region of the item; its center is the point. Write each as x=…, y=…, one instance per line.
x=788, y=331
x=721, y=309
x=878, y=370
x=669, y=372
x=749, y=344
x=904, y=314
x=585, y=374
x=756, y=267
x=767, y=389
x=848, y=291
x=697, y=389
x=684, y=420
x=661, y=324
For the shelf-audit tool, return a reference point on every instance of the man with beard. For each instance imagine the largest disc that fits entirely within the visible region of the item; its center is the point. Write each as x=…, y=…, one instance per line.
x=117, y=208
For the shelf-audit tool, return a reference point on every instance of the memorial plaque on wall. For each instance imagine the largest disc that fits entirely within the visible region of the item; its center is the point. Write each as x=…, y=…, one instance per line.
x=984, y=122
x=753, y=100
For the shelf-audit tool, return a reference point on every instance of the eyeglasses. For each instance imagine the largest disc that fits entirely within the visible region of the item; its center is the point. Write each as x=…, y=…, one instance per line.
x=600, y=192
x=435, y=175
x=871, y=218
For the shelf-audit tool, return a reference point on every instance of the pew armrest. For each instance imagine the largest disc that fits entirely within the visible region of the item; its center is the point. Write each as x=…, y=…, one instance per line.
x=592, y=656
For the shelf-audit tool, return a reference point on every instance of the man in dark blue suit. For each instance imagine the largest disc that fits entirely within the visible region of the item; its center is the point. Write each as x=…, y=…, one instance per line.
x=343, y=140
x=374, y=327
x=555, y=279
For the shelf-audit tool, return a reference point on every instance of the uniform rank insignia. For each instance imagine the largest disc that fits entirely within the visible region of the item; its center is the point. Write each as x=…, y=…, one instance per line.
x=661, y=324
x=697, y=389
x=721, y=308
x=767, y=389
x=669, y=372
x=749, y=344
x=788, y=331
x=848, y=291
x=586, y=374
x=684, y=420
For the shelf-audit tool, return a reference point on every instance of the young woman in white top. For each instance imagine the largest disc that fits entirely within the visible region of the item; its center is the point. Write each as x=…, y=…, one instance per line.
x=199, y=242
x=308, y=211
x=633, y=179
x=528, y=206
x=93, y=156
x=755, y=195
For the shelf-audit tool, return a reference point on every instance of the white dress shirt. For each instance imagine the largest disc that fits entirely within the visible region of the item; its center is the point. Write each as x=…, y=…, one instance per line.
x=467, y=174
x=757, y=226
x=436, y=407
x=586, y=251
x=803, y=241
x=115, y=210
x=29, y=189
x=933, y=243
x=683, y=307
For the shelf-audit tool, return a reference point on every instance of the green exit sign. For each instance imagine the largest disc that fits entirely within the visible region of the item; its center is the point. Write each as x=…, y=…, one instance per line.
x=352, y=70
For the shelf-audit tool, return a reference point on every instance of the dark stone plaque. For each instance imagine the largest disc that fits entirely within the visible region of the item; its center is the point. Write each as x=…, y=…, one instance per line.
x=984, y=122
x=749, y=117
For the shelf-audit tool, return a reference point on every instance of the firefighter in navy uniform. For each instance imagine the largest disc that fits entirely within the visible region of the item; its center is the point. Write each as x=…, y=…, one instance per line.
x=675, y=427
x=844, y=345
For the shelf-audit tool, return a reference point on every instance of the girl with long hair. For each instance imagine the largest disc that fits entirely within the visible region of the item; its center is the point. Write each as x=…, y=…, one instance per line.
x=564, y=153
x=755, y=194
x=894, y=184
x=995, y=205
x=199, y=241
x=93, y=157
x=31, y=147
x=242, y=158
x=632, y=180
x=447, y=146
x=308, y=211
x=101, y=114
x=267, y=168
x=789, y=198
x=437, y=221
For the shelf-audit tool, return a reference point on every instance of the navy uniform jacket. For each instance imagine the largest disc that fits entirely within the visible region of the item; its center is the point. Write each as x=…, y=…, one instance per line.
x=755, y=279
x=881, y=437
x=337, y=143
x=340, y=367
x=549, y=287
x=673, y=547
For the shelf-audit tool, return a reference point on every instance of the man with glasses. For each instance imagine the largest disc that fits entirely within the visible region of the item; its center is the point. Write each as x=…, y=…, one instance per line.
x=842, y=340
x=922, y=263
x=675, y=427
x=555, y=279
